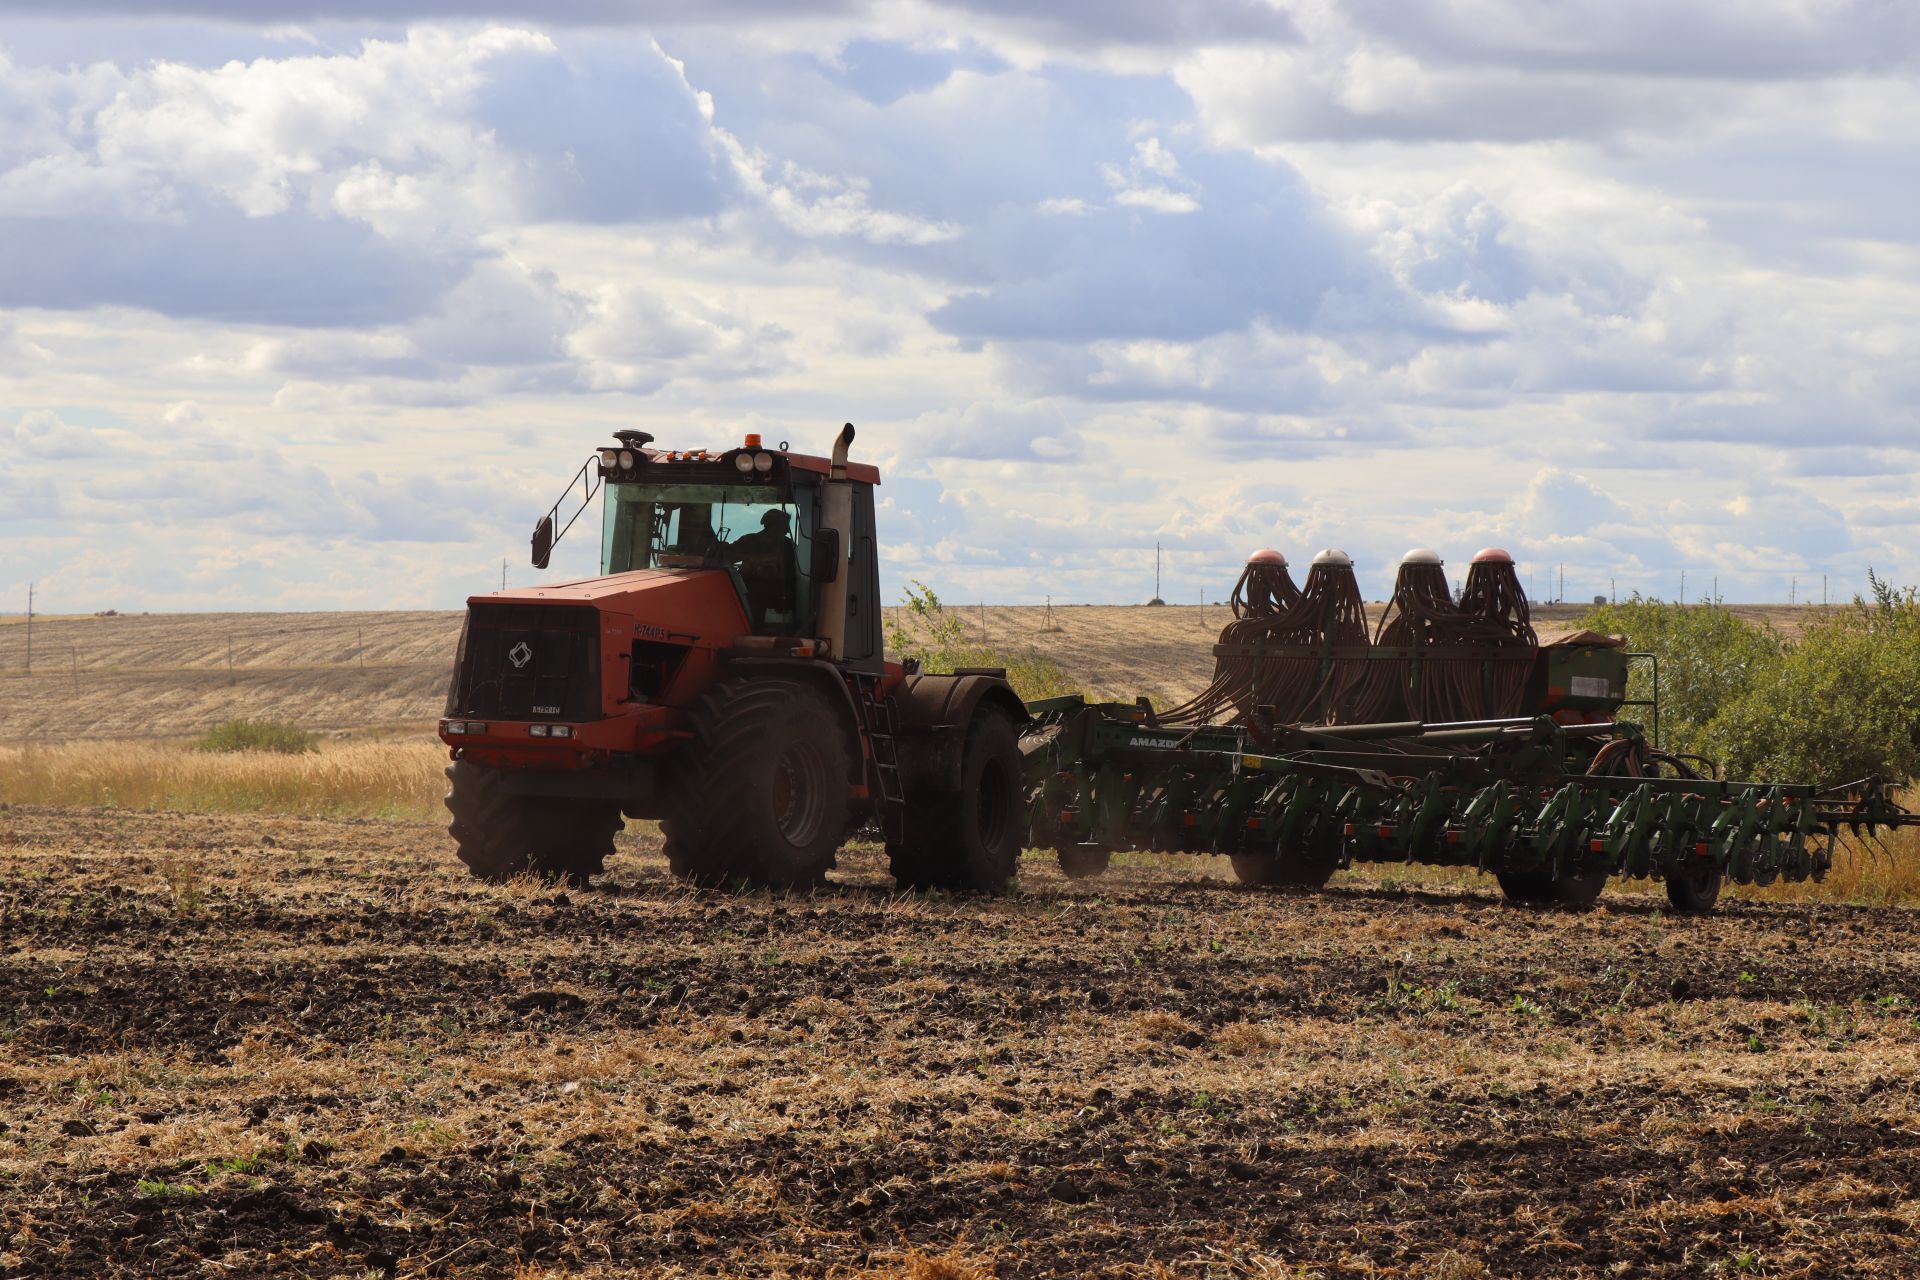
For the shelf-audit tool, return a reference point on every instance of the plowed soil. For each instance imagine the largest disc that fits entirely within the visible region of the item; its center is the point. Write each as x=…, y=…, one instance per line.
x=254, y=1046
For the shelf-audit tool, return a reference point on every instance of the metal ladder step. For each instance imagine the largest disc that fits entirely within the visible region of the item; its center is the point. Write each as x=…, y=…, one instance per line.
x=876, y=714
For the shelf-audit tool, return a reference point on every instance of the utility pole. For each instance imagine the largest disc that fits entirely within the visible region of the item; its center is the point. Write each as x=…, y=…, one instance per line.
x=1716, y=589
x=1156, y=572
x=503, y=573
x=1683, y=586
x=1560, y=596
x=1823, y=591
x=30, y=628
x=1793, y=585
x=1613, y=590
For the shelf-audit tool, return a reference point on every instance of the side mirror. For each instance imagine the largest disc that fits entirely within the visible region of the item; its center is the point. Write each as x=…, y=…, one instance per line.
x=826, y=556
x=543, y=542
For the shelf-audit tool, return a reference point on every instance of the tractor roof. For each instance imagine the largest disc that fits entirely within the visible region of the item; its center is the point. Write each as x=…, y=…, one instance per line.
x=858, y=472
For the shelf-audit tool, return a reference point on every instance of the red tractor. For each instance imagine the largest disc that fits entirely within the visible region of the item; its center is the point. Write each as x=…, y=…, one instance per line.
x=723, y=674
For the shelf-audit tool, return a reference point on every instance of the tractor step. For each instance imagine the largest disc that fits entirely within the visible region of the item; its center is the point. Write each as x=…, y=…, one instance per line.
x=877, y=722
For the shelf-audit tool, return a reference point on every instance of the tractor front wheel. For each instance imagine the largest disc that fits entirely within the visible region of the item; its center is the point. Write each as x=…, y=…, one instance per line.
x=500, y=835
x=759, y=795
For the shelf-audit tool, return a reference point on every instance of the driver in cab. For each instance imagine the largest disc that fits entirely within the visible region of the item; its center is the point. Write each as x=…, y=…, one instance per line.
x=768, y=562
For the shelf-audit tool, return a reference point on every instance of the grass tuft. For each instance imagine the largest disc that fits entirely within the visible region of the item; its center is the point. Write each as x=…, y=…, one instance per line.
x=257, y=735
x=952, y=1265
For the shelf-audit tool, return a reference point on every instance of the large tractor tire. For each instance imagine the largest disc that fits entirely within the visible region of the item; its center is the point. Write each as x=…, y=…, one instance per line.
x=968, y=839
x=1543, y=888
x=759, y=795
x=1695, y=892
x=500, y=835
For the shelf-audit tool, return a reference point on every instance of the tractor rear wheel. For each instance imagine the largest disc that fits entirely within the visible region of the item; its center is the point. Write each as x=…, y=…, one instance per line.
x=500, y=835
x=970, y=838
x=1543, y=888
x=1080, y=862
x=1696, y=891
x=760, y=793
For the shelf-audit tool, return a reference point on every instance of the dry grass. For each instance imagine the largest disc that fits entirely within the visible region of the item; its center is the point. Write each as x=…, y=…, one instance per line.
x=403, y=779
x=1885, y=872
x=354, y=779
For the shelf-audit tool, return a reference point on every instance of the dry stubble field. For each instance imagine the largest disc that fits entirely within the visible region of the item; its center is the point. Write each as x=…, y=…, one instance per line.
x=140, y=676
x=277, y=1046
x=250, y=1044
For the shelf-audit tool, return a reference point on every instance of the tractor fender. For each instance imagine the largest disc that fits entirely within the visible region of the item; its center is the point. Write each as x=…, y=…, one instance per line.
x=933, y=714
x=826, y=677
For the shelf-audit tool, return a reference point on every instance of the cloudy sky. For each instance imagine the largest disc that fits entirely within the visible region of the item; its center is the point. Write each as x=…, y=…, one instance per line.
x=321, y=314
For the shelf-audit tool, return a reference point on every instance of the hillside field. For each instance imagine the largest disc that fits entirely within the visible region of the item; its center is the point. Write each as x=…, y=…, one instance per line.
x=171, y=675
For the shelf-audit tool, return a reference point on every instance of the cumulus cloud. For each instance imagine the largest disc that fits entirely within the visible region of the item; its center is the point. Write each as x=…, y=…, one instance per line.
x=41, y=433
x=635, y=340
x=1251, y=245
x=1625, y=286
x=1731, y=39
x=1512, y=71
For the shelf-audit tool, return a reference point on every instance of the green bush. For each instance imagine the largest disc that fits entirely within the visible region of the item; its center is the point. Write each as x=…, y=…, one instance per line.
x=257, y=735
x=939, y=641
x=1841, y=702
x=1708, y=659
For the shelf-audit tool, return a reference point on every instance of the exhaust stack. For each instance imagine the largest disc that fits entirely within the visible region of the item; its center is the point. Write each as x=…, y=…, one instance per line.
x=836, y=515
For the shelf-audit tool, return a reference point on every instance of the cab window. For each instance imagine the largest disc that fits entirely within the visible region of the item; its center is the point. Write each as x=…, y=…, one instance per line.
x=763, y=536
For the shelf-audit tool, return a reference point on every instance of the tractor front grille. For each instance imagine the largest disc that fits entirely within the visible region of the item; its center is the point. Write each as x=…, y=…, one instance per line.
x=528, y=662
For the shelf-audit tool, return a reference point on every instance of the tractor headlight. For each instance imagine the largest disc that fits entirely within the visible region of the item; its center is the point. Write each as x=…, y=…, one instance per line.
x=609, y=458
x=626, y=460
x=743, y=462
x=763, y=462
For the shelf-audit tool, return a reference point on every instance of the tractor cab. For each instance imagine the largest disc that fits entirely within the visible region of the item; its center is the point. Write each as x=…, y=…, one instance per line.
x=765, y=535
x=795, y=540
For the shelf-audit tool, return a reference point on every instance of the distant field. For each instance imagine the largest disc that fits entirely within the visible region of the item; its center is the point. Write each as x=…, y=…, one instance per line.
x=171, y=675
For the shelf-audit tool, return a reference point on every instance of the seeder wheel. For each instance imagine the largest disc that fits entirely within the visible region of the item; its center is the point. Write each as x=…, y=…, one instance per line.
x=1543, y=888
x=1282, y=870
x=1695, y=891
x=1079, y=862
